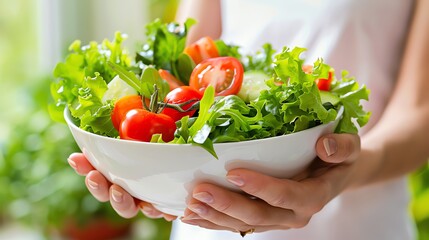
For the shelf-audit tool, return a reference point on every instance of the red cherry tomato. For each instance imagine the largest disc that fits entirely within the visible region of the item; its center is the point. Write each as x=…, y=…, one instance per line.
x=225, y=74
x=173, y=82
x=180, y=95
x=140, y=125
x=122, y=106
x=324, y=84
x=202, y=49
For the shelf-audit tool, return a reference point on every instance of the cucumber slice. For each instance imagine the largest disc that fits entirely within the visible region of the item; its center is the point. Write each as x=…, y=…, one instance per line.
x=329, y=97
x=116, y=89
x=253, y=84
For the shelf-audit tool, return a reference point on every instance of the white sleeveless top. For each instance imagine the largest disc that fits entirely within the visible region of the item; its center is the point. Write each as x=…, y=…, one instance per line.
x=365, y=37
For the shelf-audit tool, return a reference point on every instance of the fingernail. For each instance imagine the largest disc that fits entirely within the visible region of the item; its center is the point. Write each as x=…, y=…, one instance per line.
x=236, y=180
x=204, y=197
x=190, y=222
x=169, y=218
x=117, y=196
x=147, y=210
x=72, y=163
x=330, y=146
x=151, y=213
x=198, y=209
x=92, y=184
x=191, y=216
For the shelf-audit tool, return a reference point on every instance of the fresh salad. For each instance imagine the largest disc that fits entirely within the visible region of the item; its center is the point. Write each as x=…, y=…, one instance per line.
x=203, y=93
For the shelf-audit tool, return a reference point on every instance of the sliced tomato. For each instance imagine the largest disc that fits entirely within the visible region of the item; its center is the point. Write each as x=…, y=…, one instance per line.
x=225, y=74
x=141, y=125
x=307, y=68
x=172, y=81
x=202, y=49
x=122, y=106
x=178, y=96
x=324, y=84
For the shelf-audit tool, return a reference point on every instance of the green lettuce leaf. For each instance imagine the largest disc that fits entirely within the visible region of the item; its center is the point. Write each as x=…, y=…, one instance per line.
x=164, y=48
x=351, y=94
x=81, y=80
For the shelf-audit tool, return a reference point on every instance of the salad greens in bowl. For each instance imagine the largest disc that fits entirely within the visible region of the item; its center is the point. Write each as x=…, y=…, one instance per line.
x=176, y=115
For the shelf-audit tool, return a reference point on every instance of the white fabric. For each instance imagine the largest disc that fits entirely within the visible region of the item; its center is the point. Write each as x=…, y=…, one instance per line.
x=365, y=37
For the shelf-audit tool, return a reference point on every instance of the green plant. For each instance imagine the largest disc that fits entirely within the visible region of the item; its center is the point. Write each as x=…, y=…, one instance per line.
x=419, y=183
x=37, y=186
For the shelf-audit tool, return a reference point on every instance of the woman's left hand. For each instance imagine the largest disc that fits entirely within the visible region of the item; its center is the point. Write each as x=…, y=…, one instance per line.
x=270, y=203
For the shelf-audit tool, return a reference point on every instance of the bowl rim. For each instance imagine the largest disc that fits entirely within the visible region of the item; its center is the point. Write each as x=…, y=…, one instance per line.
x=68, y=118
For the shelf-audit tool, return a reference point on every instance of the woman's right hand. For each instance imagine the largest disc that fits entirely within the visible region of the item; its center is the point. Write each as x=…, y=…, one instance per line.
x=103, y=190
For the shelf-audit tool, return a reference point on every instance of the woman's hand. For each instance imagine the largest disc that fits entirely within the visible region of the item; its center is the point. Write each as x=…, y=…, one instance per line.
x=123, y=203
x=271, y=203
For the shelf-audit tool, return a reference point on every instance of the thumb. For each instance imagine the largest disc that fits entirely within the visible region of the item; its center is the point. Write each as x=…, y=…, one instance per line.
x=337, y=148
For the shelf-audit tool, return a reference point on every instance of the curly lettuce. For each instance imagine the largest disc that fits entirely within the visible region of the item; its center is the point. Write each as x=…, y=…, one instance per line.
x=81, y=81
x=291, y=104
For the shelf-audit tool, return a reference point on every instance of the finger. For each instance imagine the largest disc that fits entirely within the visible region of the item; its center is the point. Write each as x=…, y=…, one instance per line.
x=169, y=217
x=209, y=225
x=80, y=164
x=200, y=211
x=123, y=203
x=283, y=193
x=237, y=210
x=149, y=211
x=336, y=148
x=98, y=185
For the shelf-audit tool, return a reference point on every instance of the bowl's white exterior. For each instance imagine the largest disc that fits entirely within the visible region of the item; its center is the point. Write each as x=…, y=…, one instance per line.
x=165, y=174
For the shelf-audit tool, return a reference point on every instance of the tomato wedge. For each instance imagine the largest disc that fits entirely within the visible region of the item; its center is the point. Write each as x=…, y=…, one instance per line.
x=324, y=84
x=172, y=81
x=225, y=74
x=202, y=49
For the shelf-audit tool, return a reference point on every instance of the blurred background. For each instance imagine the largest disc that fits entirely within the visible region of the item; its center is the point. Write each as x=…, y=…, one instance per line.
x=40, y=196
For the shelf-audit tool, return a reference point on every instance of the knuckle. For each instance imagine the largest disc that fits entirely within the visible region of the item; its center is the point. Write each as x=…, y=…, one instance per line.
x=224, y=206
x=279, y=201
x=349, y=147
x=254, y=189
x=323, y=192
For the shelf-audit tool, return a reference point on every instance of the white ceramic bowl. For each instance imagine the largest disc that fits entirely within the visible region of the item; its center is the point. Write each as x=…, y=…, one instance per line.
x=165, y=174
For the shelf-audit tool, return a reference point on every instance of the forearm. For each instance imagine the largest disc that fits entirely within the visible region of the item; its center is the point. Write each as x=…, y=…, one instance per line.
x=394, y=149
x=399, y=143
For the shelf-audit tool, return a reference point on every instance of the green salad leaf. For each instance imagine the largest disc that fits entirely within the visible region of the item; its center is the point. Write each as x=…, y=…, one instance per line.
x=80, y=83
x=164, y=48
x=94, y=115
x=225, y=49
x=261, y=60
x=350, y=96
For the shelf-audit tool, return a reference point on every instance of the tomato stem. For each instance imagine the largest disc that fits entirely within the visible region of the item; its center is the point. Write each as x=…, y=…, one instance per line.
x=154, y=100
x=157, y=107
x=179, y=107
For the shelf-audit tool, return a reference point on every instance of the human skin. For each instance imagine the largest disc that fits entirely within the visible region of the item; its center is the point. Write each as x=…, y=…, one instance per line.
x=394, y=147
